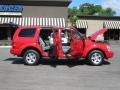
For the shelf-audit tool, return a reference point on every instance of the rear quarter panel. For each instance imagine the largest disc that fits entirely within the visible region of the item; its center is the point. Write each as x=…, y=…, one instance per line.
x=19, y=43
x=35, y=46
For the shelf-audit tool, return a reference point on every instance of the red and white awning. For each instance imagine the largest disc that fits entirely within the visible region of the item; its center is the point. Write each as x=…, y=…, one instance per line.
x=82, y=24
x=112, y=24
x=34, y=21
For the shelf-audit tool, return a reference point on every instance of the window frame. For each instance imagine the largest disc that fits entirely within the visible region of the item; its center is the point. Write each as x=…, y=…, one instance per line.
x=22, y=32
x=74, y=36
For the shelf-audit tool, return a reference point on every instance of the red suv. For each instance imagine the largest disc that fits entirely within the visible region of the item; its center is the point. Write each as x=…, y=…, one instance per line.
x=33, y=43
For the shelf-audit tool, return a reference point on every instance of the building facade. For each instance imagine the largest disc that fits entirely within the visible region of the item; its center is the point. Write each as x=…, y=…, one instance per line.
x=31, y=13
x=35, y=8
x=90, y=24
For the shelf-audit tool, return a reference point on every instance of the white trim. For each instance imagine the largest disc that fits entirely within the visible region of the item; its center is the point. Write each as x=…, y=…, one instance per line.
x=112, y=24
x=82, y=24
x=34, y=21
x=20, y=21
x=2, y=21
x=61, y=22
x=57, y=21
x=28, y=21
x=43, y=21
x=5, y=46
x=38, y=23
x=52, y=22
x=17, y=20
x=46, y=20
x=11, y=13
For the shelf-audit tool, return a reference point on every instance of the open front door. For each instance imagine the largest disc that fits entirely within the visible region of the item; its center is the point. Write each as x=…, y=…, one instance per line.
x=76, y=44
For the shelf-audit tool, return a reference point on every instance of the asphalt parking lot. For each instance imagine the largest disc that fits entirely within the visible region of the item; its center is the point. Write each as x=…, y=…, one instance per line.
x=58, y=75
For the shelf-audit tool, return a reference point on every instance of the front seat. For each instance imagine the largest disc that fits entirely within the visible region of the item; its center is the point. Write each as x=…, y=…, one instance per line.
x=43, y=44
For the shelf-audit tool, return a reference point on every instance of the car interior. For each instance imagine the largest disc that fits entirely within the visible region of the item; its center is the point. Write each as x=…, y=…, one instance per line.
x=44, y=40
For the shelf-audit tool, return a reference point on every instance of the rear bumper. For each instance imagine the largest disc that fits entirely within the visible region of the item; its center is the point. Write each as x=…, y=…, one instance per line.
x=109, y=54
x=15, y=52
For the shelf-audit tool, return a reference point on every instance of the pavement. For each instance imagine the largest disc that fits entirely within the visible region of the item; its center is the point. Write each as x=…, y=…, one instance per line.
x=58, y=75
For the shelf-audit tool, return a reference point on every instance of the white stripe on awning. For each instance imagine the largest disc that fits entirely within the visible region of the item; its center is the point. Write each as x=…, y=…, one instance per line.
x=34, y=21
x=81, y=24
x=20, y=22
x=112, y=24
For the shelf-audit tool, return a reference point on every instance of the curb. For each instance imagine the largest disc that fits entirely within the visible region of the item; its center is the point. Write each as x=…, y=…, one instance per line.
x=5, y=46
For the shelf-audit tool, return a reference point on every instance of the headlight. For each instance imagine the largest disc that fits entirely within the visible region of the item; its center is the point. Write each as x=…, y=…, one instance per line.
x=108, y=47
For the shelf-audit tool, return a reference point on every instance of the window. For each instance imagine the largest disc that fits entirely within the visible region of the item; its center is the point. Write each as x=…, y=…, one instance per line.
x=82, y=31
x=45, y=33
x=28, y=32
x=62, y=35
x=76, y=35
x=112, y=34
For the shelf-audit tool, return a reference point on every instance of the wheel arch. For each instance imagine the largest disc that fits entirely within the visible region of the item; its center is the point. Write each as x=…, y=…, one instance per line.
x=29, y=48
x=94, y=50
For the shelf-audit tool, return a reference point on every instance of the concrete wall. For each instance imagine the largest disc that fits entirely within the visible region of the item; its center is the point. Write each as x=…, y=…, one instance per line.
x=45, y=11
x=93, y=26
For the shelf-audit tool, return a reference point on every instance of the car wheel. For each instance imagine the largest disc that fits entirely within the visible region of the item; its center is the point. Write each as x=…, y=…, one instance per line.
x=96, y=58
x=31, y=57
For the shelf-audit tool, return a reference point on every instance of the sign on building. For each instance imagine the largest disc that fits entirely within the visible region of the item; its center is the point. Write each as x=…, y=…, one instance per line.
x=11, y=10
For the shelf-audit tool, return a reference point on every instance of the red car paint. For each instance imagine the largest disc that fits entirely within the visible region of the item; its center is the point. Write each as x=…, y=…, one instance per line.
x=79, y=48
x=95, y=35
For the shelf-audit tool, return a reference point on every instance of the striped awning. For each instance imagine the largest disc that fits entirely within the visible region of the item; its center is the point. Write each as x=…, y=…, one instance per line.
x=82, y=24
x=34, y=21
x=112, y=24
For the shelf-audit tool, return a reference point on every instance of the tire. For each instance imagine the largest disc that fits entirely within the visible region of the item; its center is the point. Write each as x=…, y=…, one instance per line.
x=96, y=58
x=31, y=57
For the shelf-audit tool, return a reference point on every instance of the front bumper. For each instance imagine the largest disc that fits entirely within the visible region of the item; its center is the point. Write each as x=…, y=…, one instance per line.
x=109, y=54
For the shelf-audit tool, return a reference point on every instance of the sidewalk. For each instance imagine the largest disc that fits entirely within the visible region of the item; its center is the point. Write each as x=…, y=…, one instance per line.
x=5, y=46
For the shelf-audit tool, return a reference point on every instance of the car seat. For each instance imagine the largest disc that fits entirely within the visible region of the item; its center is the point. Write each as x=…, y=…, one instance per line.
x=43, y=44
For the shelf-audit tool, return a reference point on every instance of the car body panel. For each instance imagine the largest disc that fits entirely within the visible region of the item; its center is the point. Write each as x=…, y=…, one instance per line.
x=98, y=33
x=76, y=46
x=90, y=46
x=79, y=48
x=21, y=43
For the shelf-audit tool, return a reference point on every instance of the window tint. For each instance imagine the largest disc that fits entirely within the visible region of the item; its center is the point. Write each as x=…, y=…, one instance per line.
x=28, y=32
x=76, y=35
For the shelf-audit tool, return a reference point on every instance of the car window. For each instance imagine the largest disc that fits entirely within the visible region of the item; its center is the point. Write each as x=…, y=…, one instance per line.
x=51, y=35
x=28, y=32
x=76, y=35
x=62, y=35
